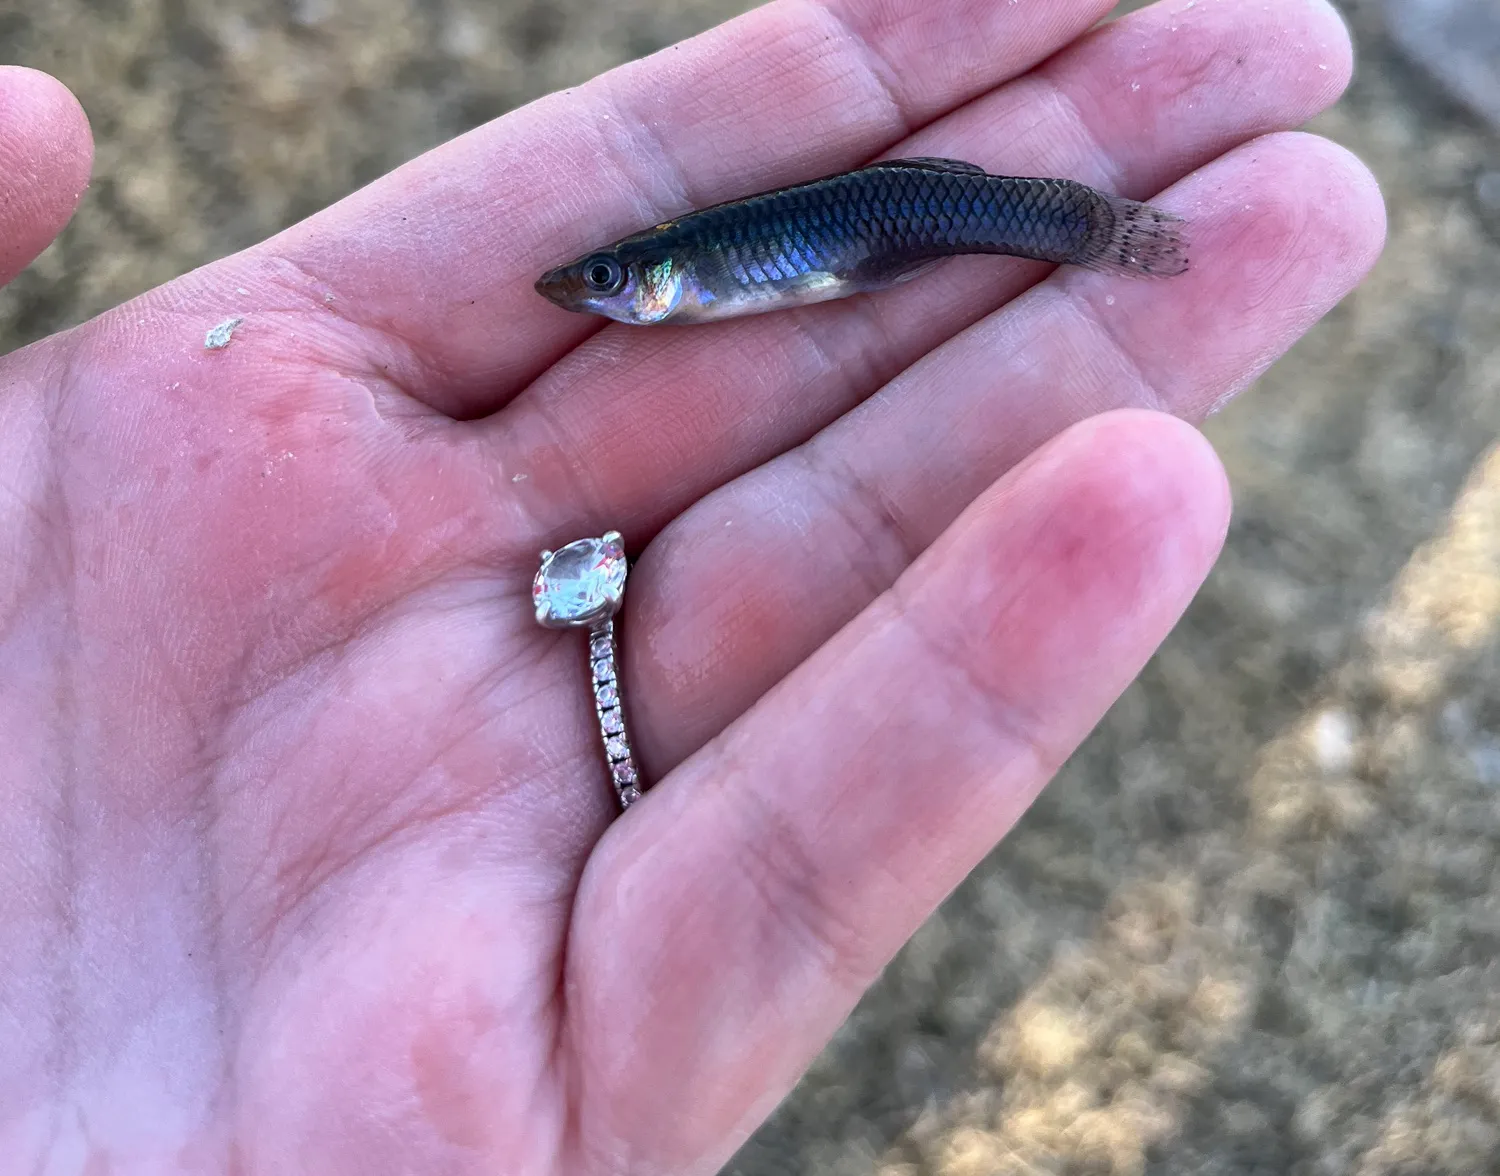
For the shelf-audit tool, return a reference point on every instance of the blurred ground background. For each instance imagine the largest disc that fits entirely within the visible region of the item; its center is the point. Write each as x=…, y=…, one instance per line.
x=1253, y=926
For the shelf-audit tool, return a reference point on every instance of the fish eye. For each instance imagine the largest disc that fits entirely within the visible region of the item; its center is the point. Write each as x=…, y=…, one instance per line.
x=603, y=274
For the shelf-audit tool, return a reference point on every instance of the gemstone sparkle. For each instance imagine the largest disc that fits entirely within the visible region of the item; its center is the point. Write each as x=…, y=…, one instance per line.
x=581, y=583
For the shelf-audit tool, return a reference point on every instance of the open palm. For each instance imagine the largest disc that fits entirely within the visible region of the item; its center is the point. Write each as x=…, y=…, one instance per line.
x=308, y=862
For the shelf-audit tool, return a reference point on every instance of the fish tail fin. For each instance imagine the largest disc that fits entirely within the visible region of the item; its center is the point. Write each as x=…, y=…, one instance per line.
x=1128, y=237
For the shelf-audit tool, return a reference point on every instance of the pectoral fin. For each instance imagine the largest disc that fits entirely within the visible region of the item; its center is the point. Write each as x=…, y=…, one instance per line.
x=893, y=271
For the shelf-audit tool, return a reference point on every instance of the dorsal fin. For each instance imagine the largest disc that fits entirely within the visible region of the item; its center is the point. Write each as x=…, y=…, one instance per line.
x=933, y=163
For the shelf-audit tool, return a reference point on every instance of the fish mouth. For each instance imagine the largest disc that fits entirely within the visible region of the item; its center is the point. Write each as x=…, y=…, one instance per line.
x=554, y=287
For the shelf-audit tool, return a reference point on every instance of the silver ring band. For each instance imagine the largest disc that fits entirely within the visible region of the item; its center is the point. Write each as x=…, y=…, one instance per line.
x=622, y=771
x=581, y=586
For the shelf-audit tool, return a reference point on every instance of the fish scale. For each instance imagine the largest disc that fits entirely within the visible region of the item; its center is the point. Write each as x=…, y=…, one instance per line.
x=860, y=231
x=925, y=215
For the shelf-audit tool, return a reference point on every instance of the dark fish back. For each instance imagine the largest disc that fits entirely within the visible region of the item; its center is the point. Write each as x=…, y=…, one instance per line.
x=875, y=224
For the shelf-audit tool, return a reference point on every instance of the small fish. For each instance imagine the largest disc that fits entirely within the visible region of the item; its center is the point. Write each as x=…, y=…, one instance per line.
x=854, y=232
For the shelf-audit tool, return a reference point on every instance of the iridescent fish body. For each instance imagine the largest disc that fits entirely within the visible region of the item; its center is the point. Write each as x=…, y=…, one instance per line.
x=858, y=231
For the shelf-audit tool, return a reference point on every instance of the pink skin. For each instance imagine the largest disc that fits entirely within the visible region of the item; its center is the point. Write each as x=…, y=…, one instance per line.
x=307, y=863
x=45, y=156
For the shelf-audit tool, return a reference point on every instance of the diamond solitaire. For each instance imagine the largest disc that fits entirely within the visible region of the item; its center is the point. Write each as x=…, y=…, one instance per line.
x=580, y=586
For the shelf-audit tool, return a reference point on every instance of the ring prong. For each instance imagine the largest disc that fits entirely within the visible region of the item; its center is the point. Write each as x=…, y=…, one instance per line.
x=546, y=554
x=614, y=541
x=543, y=613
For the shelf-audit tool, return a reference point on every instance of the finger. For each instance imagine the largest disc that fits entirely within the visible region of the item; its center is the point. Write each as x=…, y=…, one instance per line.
x=443, y=253
x=46, y=152
x=637, y=424
x=732, y=920
x=747, y=583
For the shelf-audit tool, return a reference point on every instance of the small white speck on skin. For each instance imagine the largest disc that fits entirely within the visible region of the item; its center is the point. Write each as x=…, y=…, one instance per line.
x=520, y=477
x=1322, y=67
x=241, y=290
x=270, y=464
x=1109, y=300
x=218, y=337
x=1135, y=87
x=328, y=297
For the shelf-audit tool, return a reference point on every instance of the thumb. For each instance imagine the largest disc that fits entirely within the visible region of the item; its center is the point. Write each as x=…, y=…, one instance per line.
x=46, y=152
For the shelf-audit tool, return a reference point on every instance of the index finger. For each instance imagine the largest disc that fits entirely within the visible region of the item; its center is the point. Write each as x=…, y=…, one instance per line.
x=441, y=254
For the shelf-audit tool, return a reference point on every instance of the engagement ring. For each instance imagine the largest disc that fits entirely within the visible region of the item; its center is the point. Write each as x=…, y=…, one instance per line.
x=580, y=586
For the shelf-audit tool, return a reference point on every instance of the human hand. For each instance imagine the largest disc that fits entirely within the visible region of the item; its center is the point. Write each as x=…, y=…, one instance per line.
x=307, y=858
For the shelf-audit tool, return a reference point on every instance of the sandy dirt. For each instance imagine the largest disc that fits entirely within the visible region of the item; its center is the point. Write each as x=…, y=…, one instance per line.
x=1252, y=927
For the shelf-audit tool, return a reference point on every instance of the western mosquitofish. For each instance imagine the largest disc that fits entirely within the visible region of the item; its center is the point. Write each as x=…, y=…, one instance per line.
x=858, y=231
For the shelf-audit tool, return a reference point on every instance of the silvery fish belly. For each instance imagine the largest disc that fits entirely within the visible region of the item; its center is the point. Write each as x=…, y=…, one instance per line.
x=858, y=231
